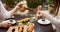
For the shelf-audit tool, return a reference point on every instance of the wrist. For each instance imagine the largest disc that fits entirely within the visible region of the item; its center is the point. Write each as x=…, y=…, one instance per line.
x=1, y=24
x=17, y=7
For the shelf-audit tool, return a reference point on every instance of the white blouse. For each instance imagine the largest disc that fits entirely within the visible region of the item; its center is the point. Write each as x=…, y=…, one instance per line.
x=53, y=20
x=4, y=12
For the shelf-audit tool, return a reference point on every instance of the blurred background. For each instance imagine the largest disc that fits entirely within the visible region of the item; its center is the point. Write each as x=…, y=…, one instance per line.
x=45, y=5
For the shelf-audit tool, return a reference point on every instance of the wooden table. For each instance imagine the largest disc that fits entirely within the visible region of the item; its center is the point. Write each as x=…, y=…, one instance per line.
x=38, y=27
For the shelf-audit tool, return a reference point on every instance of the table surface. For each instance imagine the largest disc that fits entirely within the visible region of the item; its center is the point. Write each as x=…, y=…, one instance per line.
x=43, y=28
x=38, y=27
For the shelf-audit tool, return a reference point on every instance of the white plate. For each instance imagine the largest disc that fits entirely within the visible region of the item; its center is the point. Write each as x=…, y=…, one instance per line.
x=41, y=21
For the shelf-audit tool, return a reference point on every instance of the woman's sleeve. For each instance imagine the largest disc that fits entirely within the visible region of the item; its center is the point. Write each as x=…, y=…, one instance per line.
x=4, y=12
x=53, y=20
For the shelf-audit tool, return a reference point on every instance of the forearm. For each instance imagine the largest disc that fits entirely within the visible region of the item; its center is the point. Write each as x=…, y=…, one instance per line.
x=52, y=19
x=48, y=16
x=10, y=13
x=13, y=11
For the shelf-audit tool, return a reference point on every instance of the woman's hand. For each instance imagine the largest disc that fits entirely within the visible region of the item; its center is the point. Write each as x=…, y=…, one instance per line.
x=39, y=14
x=6, y=24
x=19, y=5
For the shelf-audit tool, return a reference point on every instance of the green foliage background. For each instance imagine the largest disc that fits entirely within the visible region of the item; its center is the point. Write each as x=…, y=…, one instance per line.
x=33, y=4
x=10, y=3
x=50, y=1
